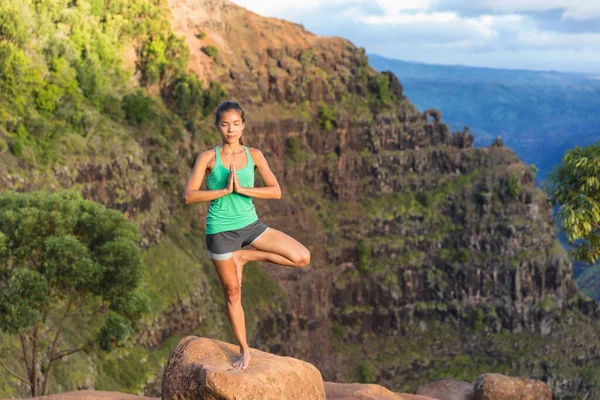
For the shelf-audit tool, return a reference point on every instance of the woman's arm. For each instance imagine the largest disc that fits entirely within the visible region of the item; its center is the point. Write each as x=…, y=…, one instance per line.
x=192, y=193
x=270, y=191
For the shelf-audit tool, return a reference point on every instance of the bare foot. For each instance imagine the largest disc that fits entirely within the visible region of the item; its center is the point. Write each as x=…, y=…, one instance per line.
x=239, y=266
x=244, y=360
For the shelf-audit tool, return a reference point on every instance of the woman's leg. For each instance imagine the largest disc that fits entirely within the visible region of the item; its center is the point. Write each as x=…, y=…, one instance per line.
x=273, y=246
x=235, y=313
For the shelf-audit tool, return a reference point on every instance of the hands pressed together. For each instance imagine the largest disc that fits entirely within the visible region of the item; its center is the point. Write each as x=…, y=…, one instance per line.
x=233, y=184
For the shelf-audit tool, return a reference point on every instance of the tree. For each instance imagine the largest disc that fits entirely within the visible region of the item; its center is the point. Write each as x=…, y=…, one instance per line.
x=575, y=186
x=61, y=255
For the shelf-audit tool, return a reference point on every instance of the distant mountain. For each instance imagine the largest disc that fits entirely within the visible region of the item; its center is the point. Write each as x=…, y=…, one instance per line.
x=539, y=114
x=416, y=70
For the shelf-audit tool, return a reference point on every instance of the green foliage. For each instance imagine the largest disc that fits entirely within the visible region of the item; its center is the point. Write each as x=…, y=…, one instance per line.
x=137, y=108
x=454, y=255
x=216, y=94
x=534, y=169
x=295, y=149
x=474, y=318
x=15, y=22
x=190, y=100
x=18, y=140
x=20, y=78
x=548, y=303
x=307, y=58
x=201, y=35
x=575, y=187
x=365, y=371
x=189, y=95
x=211, y=51
x=363, y=252
x=514, y=186
x=164, y=58
x=60, y=253
x=62, y=82
x=112, y=106
x=327, y=117
x=425, y=198
x=380, y=85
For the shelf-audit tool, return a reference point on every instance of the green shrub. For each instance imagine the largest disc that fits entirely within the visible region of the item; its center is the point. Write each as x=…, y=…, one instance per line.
x=366, y=371
x=514, y=186
x=213, y=97
x=137, y=108
x=363, y=252
x=534, y=169
x=381, y=87
x=425, y=199
x=210, y=51
x=111, y=106
x=327, y=117
x=188, y=94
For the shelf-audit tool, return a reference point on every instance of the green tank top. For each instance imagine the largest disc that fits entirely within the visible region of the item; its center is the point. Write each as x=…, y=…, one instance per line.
x=234, y=210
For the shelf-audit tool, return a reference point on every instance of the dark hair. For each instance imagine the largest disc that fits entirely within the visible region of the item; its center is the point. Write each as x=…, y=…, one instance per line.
x=227, y=106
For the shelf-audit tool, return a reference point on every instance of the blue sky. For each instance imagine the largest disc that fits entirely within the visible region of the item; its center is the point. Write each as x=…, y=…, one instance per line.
x=560, y=35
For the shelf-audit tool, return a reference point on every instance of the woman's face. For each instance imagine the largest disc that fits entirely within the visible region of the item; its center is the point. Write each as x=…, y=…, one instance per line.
x=231, y=126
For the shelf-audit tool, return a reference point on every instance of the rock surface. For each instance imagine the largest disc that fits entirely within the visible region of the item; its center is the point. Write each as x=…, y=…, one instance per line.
x=92, y=395
x=362, y=391
x=447, y=389
x=502, y=387
x=201, y=368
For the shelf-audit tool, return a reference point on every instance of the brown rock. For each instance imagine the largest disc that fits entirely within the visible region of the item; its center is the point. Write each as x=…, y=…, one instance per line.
x=498, y=142
x=201, y=368
x=502, y=387
x=447, y=389
x=92, y=395
x=365, y=391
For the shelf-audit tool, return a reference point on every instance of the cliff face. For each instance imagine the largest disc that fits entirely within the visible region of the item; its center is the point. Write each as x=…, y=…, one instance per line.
x=430, y=258
x=409, y=225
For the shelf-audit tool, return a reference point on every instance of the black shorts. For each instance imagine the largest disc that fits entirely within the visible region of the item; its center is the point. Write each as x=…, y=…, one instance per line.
x=220, y=245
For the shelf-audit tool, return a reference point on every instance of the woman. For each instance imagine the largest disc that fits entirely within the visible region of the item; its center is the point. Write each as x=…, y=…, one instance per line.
x=232, y=222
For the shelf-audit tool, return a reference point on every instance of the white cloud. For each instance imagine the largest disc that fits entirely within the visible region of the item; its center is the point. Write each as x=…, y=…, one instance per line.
x=396, y=17
x=497, y=32
x=279, y=8
x=572, y=9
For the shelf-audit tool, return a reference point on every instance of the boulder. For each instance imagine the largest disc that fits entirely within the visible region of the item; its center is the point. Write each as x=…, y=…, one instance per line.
x=92, y=395
x=201, y=368
x=502, y=387
x=447, y=389
x=365, y=391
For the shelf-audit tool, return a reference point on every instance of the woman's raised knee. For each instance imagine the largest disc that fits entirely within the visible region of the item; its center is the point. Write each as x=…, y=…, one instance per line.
x=302, y=258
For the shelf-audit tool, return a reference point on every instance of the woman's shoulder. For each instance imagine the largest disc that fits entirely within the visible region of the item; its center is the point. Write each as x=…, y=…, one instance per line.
x=254, y=151
x=257, y=155
x=208, y=154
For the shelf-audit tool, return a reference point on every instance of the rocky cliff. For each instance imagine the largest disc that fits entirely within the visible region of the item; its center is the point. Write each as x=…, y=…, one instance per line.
x=412, y=229
x=430, y=258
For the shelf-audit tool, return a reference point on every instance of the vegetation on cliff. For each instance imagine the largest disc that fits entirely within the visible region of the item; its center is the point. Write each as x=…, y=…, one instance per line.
x=63, y=259
x=575, y=186
x=413, y=231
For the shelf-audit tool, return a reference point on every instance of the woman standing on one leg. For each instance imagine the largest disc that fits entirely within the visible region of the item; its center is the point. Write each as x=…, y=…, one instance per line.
x=232, y=222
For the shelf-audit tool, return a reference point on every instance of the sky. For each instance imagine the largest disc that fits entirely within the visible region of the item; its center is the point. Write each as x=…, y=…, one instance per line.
x=558, y=35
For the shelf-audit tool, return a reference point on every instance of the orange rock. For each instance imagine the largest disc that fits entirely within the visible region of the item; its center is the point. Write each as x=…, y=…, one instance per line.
x=502, y=387
x=201, y=368
x=92, y=395
x=365, y=391
x=447, y=389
